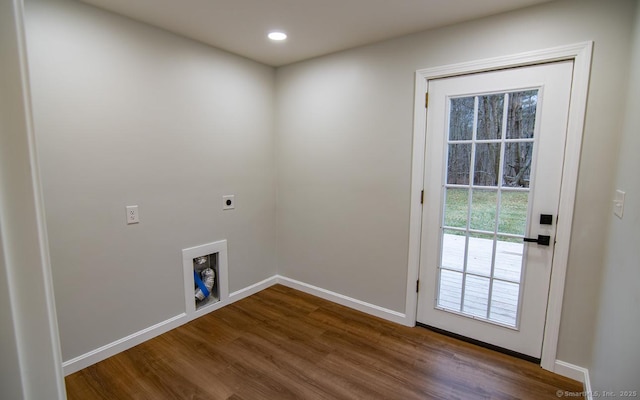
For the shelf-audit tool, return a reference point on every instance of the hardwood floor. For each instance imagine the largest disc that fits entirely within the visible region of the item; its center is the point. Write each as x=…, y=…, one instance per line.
x=285, y=344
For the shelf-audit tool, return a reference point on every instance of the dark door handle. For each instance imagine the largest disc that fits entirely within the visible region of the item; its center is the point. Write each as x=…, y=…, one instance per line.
x=542, y=240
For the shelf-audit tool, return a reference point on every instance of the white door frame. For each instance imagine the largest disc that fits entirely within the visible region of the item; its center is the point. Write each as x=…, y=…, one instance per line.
x=24, y=249
x=580, y=54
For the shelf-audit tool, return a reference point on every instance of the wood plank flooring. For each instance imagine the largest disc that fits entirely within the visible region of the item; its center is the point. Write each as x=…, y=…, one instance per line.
x=285, y=344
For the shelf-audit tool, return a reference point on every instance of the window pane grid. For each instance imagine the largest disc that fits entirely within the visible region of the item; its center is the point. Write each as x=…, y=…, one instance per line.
x=464, y=231
x=499, y=195
x=503, y=189
x=515, y=281
x=496, y=219
x=498, y=140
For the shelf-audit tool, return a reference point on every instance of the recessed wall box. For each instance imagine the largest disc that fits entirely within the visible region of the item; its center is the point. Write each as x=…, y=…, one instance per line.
x=205, y=277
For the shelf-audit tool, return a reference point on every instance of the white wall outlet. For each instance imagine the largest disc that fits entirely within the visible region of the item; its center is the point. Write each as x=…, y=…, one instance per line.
x=228, y=202
x=132, y=215
x=618, y=203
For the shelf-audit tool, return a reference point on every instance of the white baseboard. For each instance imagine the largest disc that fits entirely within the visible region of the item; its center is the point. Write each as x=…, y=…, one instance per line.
x=253, y=289
x=111, y=349
x=143, y=335
x=568, y=370
x=350, y=302
x=576, y=373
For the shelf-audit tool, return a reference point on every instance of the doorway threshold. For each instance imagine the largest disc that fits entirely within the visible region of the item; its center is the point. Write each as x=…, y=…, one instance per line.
x=480, y=343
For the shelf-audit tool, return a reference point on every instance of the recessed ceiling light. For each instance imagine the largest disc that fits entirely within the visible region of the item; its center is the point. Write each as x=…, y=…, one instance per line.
x=277, y=36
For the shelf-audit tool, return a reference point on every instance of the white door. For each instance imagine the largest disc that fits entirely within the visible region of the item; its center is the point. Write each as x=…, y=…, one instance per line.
x=493, y=170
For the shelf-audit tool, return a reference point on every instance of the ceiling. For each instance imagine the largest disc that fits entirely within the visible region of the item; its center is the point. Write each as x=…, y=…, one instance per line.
x=315, y=27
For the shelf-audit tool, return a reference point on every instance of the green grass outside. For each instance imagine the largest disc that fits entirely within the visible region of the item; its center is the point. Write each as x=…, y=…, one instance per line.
x=512, y=218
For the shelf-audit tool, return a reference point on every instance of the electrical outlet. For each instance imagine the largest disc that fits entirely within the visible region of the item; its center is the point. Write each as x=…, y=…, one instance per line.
x=132, y=215
x=618, y=203
x=228, y=202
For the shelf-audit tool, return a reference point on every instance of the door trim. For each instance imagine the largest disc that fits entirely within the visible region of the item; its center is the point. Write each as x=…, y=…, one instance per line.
x=580, y=54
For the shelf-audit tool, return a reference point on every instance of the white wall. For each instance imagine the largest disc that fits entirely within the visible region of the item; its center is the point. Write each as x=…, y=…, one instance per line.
x=30, y=360
x=344, y=130
x=128, y=114
x=616, y=359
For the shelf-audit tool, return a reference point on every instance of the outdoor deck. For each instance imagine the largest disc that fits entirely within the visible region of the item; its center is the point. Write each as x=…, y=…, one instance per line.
x=503, y=301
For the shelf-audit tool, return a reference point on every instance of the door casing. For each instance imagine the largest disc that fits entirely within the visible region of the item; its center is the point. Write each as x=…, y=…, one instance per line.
x=580, y=53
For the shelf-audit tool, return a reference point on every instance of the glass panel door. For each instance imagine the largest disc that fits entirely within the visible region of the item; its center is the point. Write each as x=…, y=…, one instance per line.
x=494, y=154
